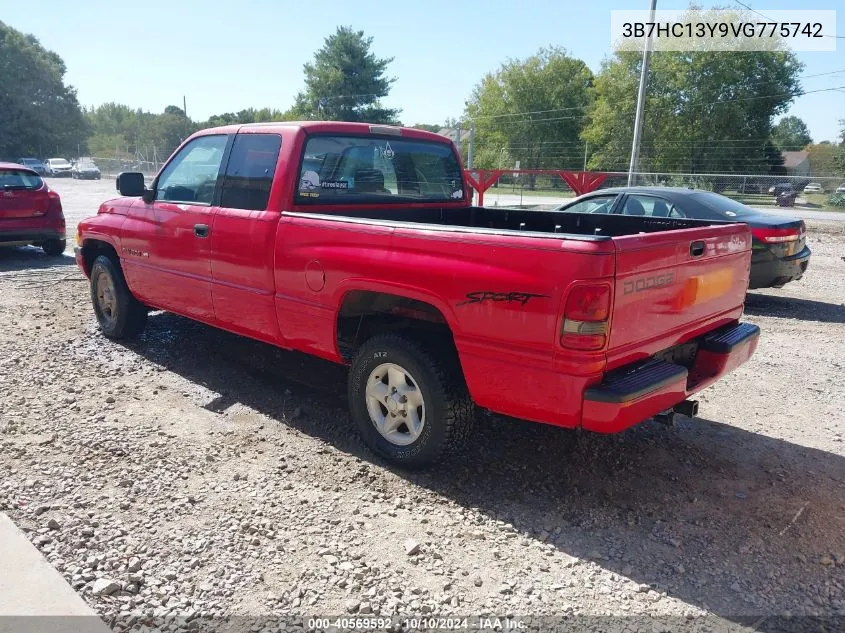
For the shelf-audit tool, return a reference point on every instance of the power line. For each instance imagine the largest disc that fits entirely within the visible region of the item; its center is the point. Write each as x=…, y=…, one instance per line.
x=782, y=94
x=832, y=72
x=745, y=6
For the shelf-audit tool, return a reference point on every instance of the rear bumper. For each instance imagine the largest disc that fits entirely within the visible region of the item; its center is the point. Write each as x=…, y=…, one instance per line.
x=31, y=236
x=777, y=272
x=635, y=393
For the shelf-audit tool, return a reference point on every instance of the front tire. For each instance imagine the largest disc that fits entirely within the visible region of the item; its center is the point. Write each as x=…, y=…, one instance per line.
x=53, y=247
x=409, y=401
x=118, y=313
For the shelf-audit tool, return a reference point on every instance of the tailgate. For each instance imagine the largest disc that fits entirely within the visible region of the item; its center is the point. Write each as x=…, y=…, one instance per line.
x=669, y=284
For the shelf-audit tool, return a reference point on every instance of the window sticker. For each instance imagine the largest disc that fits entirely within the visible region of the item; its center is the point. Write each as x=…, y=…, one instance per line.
x=309, y=181
x=335, y=184
x=386, y=151
x=457, y=195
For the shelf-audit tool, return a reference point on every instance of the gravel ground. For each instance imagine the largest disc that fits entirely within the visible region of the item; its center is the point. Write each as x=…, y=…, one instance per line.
x=196, y=473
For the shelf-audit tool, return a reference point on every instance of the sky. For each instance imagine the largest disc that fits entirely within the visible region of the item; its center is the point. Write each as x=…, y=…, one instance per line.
x=250, y=53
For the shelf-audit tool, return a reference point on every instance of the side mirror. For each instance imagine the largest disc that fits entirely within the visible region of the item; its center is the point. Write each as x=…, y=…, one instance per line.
x=131, y=183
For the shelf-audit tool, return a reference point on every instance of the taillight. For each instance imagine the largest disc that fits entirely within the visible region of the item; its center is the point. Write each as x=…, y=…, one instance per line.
x=776, y=236
x=55, y=207
x=585, y=318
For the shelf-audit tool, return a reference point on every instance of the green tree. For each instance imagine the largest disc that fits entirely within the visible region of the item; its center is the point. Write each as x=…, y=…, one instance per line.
x=822, y=157
x=533, y=111
x=346, y=81
x=39, y=114
x=428, y=127
x=791, y=134
x=705, y=110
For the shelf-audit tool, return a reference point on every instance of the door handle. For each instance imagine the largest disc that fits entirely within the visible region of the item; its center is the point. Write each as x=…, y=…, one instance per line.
x=201, y=230
x=696, y=249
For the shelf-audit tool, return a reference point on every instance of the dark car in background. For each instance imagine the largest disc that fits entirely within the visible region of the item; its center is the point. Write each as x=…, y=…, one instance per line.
x=30, y=212
x=781, y=188
x=85, y=169
x=779, y=248
x=35, y=164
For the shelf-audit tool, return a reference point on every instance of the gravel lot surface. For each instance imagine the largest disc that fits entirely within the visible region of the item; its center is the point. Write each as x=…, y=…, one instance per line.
x=193, y=472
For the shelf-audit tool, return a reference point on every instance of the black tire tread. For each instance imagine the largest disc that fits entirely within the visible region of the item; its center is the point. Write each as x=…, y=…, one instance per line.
x=441, y=361
x=53, y=247
x=132, y=314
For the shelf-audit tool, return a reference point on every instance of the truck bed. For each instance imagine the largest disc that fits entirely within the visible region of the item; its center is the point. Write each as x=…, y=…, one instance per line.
x=594, y=226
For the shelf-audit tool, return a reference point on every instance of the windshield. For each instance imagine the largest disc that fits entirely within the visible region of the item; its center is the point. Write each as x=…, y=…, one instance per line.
x=722, y=206
x=19, y=179
x=86, y=164
x=29, y=161
x=59, y=162
x=350, y=169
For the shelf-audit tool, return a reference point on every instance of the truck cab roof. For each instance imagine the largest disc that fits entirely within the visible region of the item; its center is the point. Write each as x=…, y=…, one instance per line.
x=327, y=127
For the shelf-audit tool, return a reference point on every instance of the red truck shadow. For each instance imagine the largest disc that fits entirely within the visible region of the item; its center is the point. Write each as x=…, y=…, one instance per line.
x=742, y=524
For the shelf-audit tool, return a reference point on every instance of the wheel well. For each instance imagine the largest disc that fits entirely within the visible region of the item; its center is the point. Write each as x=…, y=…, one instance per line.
x=92, y=249
x=364, y=314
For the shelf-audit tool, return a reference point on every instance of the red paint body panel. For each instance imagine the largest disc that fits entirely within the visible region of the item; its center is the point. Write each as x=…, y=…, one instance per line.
x=242, y=270
x=166, y=264
x=281, y=275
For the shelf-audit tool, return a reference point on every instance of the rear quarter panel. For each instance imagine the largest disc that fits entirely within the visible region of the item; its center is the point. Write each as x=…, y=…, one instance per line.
x=501, y=296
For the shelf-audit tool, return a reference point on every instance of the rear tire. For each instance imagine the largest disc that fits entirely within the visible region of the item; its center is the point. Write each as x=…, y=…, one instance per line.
x=118, y=313
x=436, y=411
x=53, y=247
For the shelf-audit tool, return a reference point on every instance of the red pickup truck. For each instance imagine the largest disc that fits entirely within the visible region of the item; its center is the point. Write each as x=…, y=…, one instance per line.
x=359, y=244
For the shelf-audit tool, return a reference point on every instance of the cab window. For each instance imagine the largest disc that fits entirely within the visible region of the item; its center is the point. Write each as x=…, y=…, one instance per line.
x=372, y=169
x=250, y=171
x=191, y=177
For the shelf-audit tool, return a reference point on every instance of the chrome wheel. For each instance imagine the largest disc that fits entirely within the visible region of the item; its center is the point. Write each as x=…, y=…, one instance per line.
x=106, y=298
x=395, y=404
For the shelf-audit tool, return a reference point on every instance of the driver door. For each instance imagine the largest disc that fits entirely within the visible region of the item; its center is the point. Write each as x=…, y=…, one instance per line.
x=167, y=243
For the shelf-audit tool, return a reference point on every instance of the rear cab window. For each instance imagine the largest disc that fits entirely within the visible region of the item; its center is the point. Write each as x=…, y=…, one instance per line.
x=342, y=169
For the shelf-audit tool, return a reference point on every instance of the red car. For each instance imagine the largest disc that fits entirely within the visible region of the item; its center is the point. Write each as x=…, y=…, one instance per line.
x=30, y=212
x=359, y=243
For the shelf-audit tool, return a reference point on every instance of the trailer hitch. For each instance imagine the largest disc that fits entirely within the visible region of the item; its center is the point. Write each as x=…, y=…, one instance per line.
x=688, y=408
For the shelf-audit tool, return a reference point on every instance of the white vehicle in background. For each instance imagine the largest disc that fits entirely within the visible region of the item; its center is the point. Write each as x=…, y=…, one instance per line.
x=814, y=187
x=841, y=188
x=57, y=167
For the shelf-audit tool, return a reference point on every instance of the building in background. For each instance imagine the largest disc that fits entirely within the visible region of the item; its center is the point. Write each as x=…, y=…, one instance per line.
x=796, y=163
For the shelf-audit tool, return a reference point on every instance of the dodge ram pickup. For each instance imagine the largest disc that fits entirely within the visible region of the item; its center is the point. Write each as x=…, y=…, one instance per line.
x=359, y=244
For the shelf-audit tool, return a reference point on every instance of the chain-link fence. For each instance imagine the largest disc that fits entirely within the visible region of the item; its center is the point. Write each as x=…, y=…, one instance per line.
x=111, y=167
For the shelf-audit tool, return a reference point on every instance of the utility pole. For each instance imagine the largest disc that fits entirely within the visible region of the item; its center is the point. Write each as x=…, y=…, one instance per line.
x=638, y=119
x=586, y=145
x=458, y=140
x=471, y=144
x=184, y=106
